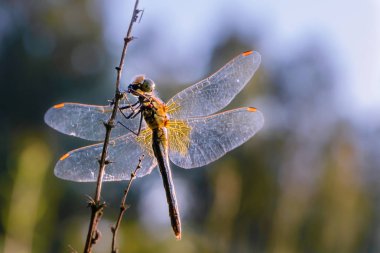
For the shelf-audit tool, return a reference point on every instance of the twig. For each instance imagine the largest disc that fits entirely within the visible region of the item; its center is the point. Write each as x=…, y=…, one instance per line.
x=123, y=206
x=95, y=204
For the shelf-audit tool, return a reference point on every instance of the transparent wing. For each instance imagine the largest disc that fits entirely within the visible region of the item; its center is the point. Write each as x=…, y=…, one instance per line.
x=86, y=121
x=213, y=136
x=81, y=165
x=215, y=92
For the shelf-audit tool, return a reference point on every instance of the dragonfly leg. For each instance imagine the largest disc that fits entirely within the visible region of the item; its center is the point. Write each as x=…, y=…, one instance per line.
x=141, y=117
x=119, y=122
x=138, y=131
x=133, y=113
x=128, y=106
x=134, y=116
x=125, y=116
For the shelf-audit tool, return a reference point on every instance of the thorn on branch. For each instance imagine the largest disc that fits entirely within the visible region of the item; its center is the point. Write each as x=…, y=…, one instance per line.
x=136, y=15
x=105, y=162
x=111, y=102
x=119, y=95
x=100, y=207
x=90, y=201
x=105, y=124
x=109, y=124
x=129, y=39
x=96, y=237
x=142, y=13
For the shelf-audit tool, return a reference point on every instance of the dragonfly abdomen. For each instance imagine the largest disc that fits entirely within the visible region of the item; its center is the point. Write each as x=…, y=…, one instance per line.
x=160, y=149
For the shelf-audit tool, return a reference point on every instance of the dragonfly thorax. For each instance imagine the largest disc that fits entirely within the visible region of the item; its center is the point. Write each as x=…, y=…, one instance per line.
x=154, y=113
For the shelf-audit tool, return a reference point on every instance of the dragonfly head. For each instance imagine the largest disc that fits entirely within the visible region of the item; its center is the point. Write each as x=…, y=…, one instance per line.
x=141, y=85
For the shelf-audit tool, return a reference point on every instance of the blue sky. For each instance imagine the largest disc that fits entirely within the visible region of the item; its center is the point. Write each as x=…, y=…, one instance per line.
x=187, y=31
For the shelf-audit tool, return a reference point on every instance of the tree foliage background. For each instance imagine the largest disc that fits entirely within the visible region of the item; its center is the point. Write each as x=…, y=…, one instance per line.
x=308, y=182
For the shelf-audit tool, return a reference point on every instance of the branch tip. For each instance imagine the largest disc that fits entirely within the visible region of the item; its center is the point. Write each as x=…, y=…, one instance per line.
x=123, y=205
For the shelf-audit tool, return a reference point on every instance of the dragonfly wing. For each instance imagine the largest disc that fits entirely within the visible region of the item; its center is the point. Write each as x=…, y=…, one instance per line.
x=215, y=92
x=86, y=121
x=213, y=136
x=81, y=165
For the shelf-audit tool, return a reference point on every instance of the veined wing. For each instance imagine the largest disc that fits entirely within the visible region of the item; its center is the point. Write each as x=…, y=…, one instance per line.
x=81, y=165
x=86, y=121
x=217, y=91
x=213, y=136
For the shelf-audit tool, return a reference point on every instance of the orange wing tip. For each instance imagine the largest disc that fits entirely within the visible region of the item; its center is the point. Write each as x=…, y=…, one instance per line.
x=247, y=53
x=64, y=156
x=59, y=106
x=251, y=109
x=178, y=237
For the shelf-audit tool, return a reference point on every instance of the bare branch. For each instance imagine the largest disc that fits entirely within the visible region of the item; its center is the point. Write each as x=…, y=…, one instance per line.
x=95, y=204
x=123, y=206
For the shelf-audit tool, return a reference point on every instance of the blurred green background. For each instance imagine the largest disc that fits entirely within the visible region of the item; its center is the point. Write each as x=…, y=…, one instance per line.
x=307, y=182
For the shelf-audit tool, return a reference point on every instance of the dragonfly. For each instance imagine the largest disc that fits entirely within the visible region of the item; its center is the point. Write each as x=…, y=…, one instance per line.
x=188, y=130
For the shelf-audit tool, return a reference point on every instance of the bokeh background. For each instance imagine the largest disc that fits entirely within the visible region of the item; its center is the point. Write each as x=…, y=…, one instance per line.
x=307, y=182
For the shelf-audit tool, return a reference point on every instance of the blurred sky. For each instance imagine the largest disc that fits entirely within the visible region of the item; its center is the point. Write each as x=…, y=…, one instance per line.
x=187, y=31
x=321, y=72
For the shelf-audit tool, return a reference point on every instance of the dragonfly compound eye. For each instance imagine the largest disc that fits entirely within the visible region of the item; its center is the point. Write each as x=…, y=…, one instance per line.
x=148, y=85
